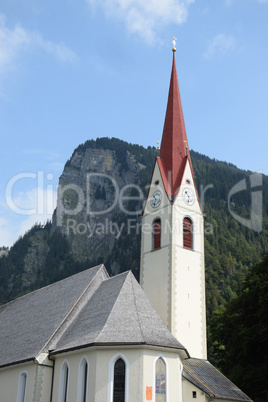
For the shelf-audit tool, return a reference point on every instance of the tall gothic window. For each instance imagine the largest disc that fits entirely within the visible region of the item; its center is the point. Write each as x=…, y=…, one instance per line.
x=82, y=381
x=119, y=381
x=22, y=387
x=160, y=381
x=187, y=233
x=156, y=233
x=64, y=380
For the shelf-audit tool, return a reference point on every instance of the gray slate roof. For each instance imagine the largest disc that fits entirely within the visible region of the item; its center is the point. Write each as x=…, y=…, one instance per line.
x=84, y=309
x=118, y=313
x=211, y=381
x=27, y=323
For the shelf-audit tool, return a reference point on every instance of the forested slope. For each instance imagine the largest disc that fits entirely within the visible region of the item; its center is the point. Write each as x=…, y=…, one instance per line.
x=48, y=253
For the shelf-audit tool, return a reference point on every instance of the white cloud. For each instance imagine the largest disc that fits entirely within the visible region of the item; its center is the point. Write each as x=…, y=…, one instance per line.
x=230, y=2
x=6, y=233
x=220, y=45
x=36, y=202
x=145, y=16
x=58, y=50
x=23, y=210
x=17, y=40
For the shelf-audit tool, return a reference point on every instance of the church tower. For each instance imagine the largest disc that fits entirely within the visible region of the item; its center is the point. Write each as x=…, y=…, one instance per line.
x=172, y=246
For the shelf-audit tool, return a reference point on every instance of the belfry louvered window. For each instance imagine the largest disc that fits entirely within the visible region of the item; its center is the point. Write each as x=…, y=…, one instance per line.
x=156, y=233
x=119, y=381
x=187, y=233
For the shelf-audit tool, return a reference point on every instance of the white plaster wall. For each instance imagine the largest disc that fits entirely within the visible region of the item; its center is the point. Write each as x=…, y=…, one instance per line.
x=156, y=281
x=187, y=393
x=188, y=291
x=141, y=366
x=189, y=312
x=99, y=375
x=73, y=361
x=173, y=373
x=9, y=380
x=155, y=264
x=173, y=277
x=165, y=202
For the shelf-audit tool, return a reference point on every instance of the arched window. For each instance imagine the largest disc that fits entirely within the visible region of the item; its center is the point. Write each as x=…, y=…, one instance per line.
x=82, y=381
x=118, y=390
x=156, y=233
x=187, y=233
x=64, y=381
x=160, y=380
x=119, y=381
x=22, y=387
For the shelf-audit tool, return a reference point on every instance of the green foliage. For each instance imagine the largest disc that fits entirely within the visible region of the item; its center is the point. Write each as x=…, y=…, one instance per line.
x=238, y=330
x=239, y=335
x=231, y=249
x=58, y=263
x=120, y=148
x=11, y=265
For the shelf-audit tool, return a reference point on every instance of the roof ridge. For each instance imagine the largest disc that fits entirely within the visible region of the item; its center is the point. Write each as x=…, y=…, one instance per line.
x=117, y=275
x=126, y=273
x=136, y=308
x=60, y=329
x=48, y=286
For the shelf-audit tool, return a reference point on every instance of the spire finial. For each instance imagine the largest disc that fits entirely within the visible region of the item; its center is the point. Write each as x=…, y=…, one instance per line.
x=174, y=44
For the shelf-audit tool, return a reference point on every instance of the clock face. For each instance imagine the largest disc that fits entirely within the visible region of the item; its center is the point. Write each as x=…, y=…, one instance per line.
x=188, y=196
x=156, y=199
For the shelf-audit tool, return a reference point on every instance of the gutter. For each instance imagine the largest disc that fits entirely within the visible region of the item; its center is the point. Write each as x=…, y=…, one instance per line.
x=30, y=359
x=52, y=379
x=117, y=344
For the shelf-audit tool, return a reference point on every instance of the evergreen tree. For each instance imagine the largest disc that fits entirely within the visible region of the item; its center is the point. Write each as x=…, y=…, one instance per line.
x=239, y=335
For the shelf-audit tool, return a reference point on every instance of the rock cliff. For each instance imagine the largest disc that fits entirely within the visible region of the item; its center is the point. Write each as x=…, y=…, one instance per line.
x=93, y=209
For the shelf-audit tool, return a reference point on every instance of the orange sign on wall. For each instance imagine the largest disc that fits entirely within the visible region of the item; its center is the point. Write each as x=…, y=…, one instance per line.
x=149, y=393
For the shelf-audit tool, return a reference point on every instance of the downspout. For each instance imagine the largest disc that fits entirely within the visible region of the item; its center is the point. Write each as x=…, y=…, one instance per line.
x=180, y=394
x=52, y=380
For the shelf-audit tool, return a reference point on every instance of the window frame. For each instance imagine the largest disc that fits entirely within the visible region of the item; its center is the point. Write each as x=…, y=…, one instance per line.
x=82, y=382
x=111, y=377
x=64, y=382
x=186, y=234
x=156, y=236
x=167, y=376
x=22, y=385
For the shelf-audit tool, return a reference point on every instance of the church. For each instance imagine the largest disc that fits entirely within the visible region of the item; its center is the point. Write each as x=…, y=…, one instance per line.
x=95, y=338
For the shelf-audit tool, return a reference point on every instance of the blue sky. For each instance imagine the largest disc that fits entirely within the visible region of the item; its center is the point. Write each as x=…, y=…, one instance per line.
x=72, y=70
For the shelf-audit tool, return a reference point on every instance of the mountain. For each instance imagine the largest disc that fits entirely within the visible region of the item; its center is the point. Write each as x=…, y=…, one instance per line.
x=101, y=194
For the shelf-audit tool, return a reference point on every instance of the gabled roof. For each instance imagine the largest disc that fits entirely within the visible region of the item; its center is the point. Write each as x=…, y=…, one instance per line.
x=27, y=323
x=85, y=309
x=119, y=313
x=174, y=145
x=211, y=381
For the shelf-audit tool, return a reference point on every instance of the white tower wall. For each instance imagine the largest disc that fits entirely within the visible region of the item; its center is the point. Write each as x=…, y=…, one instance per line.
x=173, y=276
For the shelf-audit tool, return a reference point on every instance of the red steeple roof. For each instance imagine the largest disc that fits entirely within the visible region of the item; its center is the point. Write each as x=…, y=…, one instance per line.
x=174, y=150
